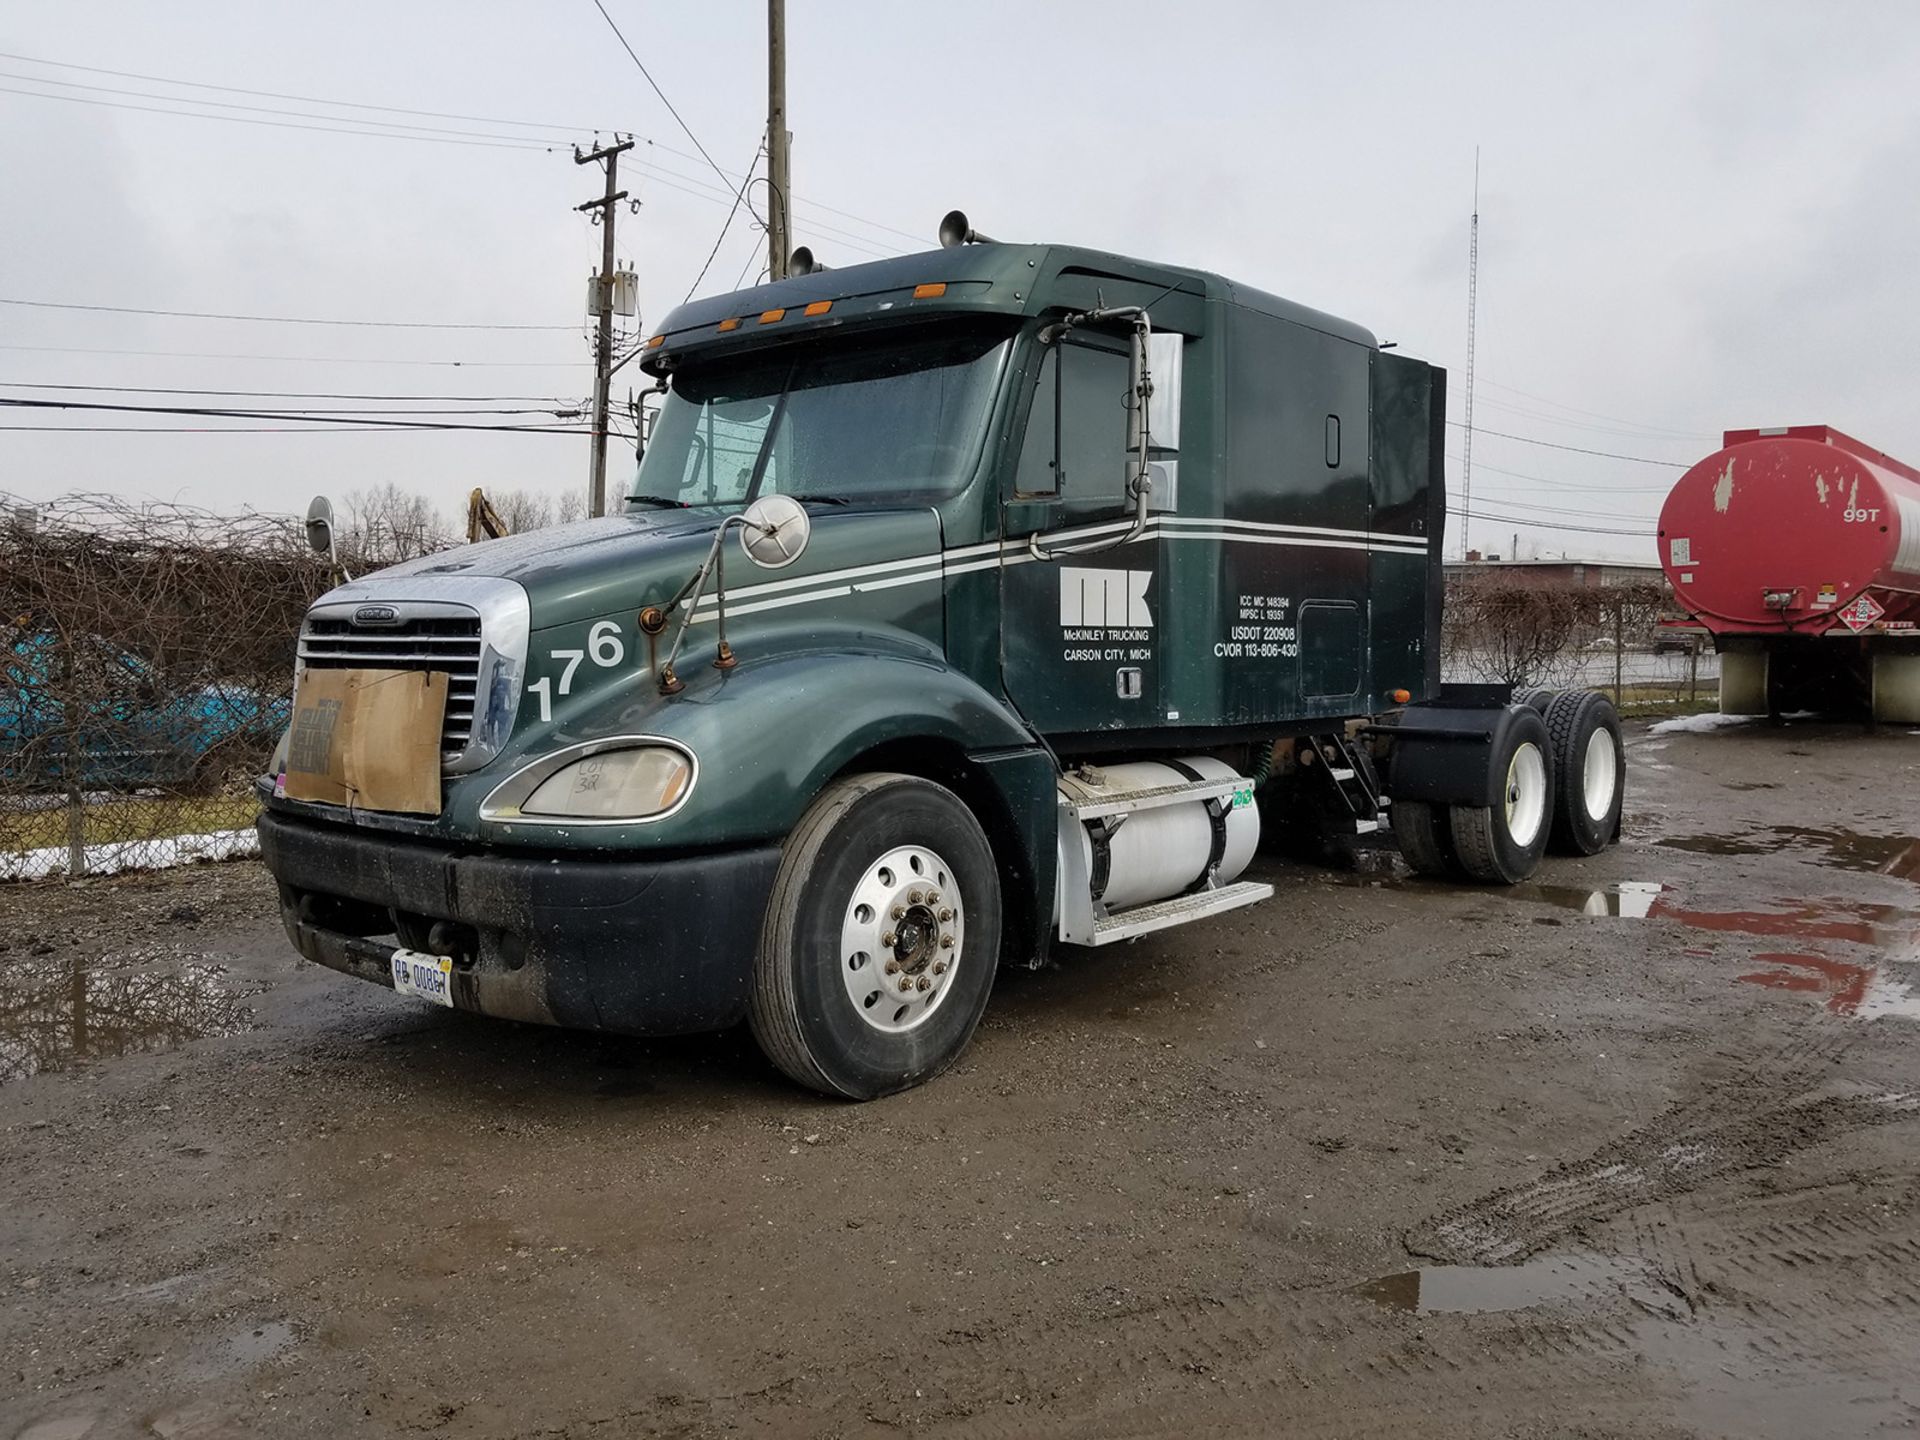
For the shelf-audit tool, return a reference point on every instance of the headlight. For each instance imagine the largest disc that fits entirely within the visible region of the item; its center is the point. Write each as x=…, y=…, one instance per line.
x=605, y=780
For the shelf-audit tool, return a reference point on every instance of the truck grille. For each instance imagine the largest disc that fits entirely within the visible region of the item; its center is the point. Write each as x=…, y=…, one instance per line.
x=449, y=643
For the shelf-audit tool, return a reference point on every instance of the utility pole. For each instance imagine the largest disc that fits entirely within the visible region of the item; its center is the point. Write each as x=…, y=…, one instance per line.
x=779, y=183
x=603, y=306
x=1473, y=310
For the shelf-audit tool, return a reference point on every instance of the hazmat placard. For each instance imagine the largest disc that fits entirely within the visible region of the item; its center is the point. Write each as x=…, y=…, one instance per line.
x=1861, y=612
x=368, y=739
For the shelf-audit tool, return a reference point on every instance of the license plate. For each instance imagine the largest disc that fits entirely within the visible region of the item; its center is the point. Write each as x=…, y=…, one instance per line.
x=429, y=977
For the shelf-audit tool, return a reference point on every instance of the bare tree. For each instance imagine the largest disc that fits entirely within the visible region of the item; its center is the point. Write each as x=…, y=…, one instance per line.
x=387, y=524
x=1514, y=632
x=1524, y=633
x=522, y=510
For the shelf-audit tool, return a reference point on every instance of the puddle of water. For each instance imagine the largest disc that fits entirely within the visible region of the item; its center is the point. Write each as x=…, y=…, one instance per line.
x=1896, y=855
x=1844, y=985
x=1632, y=899
x=247, y=1348
x=1569, y=1279
x=1857, y=990
x=52, y=1015
x=1891, y=930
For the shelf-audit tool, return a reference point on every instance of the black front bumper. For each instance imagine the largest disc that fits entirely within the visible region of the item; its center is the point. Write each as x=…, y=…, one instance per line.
x=655, y=947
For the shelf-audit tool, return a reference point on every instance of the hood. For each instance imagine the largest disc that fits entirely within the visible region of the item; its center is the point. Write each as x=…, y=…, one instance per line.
x=573, y=573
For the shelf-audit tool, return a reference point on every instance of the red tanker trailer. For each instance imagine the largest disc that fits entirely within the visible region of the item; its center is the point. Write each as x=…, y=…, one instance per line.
x=1798, y=548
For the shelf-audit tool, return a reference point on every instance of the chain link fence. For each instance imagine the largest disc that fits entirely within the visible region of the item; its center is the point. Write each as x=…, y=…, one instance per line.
x=148, y=668
x=1529, y=632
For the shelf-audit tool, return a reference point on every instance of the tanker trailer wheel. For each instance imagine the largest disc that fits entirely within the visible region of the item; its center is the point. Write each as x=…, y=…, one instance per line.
x=1425, y=833
x=1590, y=772
x=1502, y=843
x=881, y=938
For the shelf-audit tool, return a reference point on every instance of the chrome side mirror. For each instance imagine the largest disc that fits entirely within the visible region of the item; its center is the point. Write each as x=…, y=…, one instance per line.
x=774, y=531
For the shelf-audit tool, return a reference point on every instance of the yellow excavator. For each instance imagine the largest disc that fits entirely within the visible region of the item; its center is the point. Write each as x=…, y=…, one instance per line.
x=483, y=521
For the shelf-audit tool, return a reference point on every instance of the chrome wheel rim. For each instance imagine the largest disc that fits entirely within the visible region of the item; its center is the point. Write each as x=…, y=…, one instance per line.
x=1599, y=771
x=1526, y=794
x=903, y=939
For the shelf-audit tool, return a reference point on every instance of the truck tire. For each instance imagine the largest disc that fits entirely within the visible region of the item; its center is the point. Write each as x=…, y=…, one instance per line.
x=1501, y=844
x=881, y=938
x=1540, y=697
x=1426, y=838
x=1590, y=772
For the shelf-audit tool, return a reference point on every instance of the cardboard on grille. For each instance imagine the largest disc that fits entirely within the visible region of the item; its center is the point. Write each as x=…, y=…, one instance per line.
x=368, y=739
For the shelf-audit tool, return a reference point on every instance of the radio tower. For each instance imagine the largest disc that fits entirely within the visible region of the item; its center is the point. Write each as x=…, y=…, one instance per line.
x=1473, y=306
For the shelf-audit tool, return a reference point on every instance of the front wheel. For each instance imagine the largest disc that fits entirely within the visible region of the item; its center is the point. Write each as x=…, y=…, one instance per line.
x=1501, y=843
x=881, y=938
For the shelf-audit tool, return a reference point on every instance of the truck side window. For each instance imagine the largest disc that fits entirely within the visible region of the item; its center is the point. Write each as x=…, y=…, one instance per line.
x=1082, y=454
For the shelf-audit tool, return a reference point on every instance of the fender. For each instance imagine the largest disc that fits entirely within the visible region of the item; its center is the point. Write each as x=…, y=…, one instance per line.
x=769, y=735
x=1443, y=754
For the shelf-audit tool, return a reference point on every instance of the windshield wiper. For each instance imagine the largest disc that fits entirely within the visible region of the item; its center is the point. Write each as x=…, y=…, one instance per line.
x=660, y=500
x=809, y=498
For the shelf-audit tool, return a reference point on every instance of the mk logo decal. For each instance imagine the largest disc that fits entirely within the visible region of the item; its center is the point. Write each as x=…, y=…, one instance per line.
x=1111, y=599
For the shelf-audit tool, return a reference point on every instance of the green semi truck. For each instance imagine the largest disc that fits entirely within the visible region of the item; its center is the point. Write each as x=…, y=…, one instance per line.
x=964, y=604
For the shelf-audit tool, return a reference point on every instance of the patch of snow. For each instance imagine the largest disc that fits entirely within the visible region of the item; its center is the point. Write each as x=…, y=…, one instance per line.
x=120, y=855
x=1698, y=724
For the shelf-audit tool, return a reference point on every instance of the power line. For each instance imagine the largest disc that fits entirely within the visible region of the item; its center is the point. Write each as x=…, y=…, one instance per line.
x=272, y=394
x=277, y=319
x=662, y=94
x=391, y=130
x=304, y=412
x=214, y=413
x=1524, y=522
x=702, y=190
x=1576, y=449
x=1665, y=437
x=300, y=359
x=1601, y=415
x=1571, y=484
x=395, y=125
x=280, y=124
x=507, y=142
x=732, y=211
x=264, y=429
x=302, y=99
x=1571, y=510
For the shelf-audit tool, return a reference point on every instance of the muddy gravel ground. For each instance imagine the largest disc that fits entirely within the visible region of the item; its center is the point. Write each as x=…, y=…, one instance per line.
x=1631, y=1152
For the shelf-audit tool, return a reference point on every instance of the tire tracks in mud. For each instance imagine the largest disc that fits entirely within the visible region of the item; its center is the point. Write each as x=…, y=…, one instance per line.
x=1321, y=1362
x=1764, y=1111
x=1327, y=1363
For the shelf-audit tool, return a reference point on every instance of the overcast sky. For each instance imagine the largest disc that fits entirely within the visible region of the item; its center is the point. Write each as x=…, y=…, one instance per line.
x=1693, y=217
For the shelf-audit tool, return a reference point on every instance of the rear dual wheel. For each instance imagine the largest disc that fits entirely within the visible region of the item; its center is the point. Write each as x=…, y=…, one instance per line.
x=1590, y=772
x=1498, y=844
x=881, y=938
x=1502, y=843
x=1560, y=784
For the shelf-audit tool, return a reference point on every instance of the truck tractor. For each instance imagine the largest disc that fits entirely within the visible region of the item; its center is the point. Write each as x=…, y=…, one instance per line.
x=963, y=604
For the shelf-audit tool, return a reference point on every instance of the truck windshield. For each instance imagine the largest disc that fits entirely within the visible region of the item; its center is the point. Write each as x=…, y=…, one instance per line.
x=900, y=421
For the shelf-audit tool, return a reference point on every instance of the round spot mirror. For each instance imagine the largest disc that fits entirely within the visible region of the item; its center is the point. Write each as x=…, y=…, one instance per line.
x=774, y=531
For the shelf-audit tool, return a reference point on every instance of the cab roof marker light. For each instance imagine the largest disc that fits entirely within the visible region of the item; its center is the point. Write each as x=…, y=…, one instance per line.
x=656, y=342
x=767, y=317
x=932, y=290
x=726, y=325
x=818, y=307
